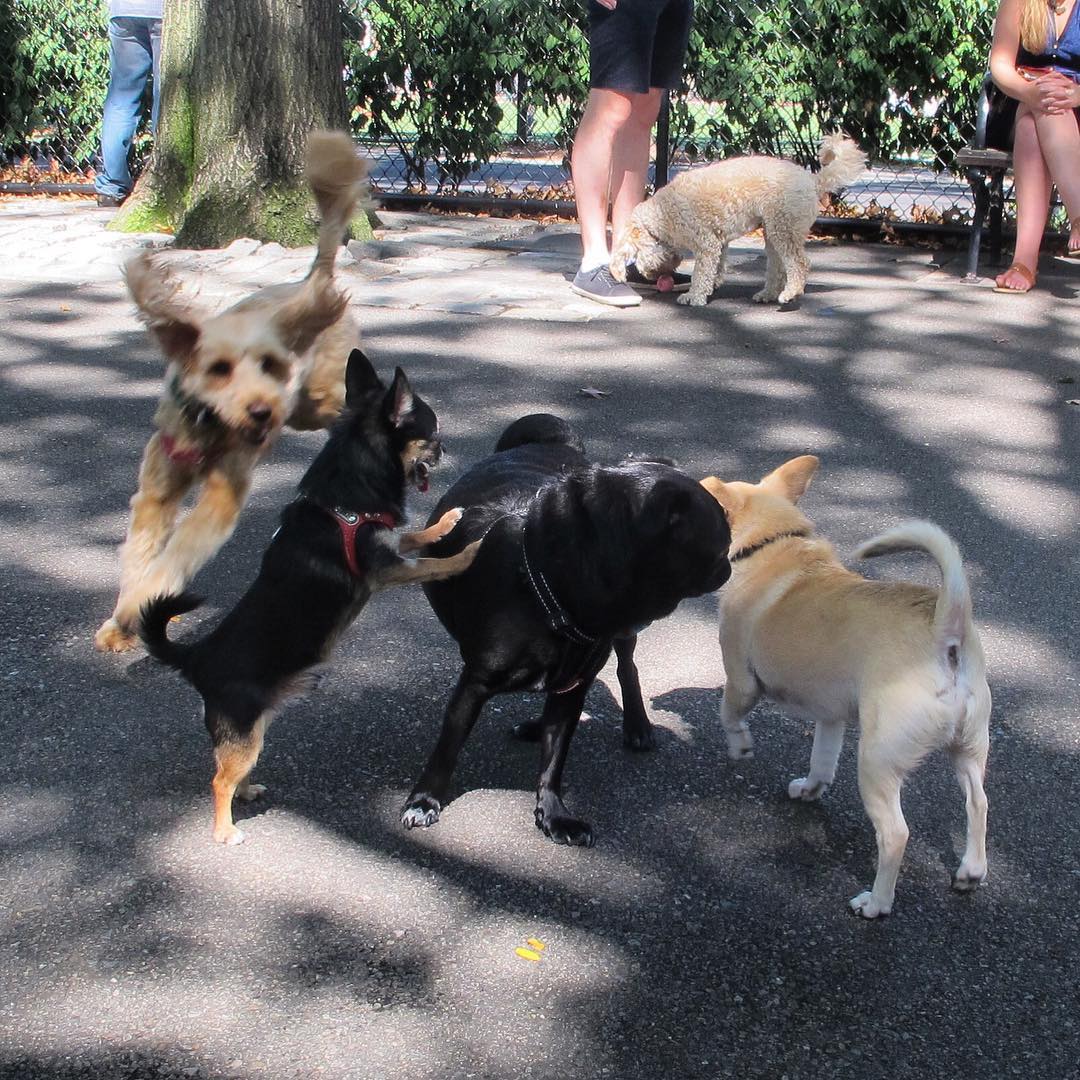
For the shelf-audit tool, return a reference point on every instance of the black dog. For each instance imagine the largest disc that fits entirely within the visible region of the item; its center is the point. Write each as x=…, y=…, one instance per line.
x=576, y=558
x=333, y=549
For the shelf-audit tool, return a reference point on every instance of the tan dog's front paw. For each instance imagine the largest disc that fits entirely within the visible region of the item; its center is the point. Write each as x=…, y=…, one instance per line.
x=112, y=637
x=806, y=789
x=865, y=905
x=692, y=300
x=763, y=296
x=740, y=745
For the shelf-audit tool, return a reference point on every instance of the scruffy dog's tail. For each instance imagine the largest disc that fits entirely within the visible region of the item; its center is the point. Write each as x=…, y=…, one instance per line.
x=952, y=614
x=337, y=178
x=154, y=618
x=841, y=163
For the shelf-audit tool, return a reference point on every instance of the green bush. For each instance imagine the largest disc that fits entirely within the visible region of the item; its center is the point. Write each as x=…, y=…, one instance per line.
x=781, y=72
x=54, y=70
x=427, y=76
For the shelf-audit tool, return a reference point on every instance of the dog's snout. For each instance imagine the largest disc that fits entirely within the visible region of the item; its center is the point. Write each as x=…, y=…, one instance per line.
x=260, y=412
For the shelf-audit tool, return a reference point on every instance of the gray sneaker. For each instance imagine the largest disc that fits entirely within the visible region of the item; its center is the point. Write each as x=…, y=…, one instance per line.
x=600, y=286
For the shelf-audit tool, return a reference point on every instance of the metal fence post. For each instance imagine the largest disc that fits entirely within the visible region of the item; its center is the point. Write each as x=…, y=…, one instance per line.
x=663, y=135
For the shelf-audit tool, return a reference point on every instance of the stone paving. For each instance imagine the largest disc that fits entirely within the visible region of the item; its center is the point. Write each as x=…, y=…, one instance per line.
x=495, y=267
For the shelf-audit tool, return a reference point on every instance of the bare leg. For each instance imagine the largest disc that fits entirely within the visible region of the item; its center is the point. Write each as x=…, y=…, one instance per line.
x=1033, y=186
x=590, y=165
x=630, y=158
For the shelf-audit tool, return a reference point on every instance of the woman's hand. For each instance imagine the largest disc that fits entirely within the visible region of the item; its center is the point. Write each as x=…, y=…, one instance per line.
x=1054, y=94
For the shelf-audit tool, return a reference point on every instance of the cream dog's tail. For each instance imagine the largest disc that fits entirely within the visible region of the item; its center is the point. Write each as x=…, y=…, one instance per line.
x=952, y=614
x=841, y=163
x=336, y=175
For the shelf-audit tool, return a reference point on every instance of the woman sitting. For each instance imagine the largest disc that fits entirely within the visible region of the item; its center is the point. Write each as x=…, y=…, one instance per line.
x=1035, y=58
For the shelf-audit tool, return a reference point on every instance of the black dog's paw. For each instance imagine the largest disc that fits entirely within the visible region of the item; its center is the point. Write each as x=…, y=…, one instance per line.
x=639, y=739
x=420, y=812
x=528, y=730
x=564, y=829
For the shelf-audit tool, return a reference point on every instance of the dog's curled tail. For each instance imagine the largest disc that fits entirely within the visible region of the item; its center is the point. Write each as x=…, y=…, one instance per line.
x=337, y=177
x=952, y=614
x=842, y=162
x=154, y=618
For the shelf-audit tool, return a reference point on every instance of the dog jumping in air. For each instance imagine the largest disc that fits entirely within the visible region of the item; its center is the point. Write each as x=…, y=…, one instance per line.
x=703, y=210
x=830, y=646
x=233, y=380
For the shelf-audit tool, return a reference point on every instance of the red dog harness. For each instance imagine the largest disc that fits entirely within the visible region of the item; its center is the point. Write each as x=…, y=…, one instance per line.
x=350, y=522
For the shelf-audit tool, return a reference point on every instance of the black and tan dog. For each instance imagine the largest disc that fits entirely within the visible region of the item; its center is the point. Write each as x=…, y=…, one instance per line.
x=333, y=550
x=576, y=558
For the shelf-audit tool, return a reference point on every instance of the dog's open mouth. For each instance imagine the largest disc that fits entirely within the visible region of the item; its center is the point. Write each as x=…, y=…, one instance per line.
x=421, y=473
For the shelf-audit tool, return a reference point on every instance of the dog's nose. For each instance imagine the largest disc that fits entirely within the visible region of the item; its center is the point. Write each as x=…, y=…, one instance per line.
x=259, y=412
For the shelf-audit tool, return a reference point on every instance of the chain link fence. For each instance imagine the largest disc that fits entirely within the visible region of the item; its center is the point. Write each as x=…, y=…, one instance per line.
x=477, y=100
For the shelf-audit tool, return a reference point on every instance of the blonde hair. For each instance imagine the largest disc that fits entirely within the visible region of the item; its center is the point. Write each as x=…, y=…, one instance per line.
x=1033, y=25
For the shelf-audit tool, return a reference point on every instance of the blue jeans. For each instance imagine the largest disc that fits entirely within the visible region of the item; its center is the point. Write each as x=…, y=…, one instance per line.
x=134, y=51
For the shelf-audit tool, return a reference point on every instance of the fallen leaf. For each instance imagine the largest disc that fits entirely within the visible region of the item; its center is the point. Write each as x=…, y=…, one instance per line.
x=527, y=954
x=1072, y=401
x=999, y=340
x=591, y=391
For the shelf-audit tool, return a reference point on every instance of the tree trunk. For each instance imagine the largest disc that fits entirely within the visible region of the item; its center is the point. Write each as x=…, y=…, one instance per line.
x=243, y=83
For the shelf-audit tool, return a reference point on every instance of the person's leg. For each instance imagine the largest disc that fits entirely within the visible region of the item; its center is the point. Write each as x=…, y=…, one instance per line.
x=1032, y=182
x=630, y=157
x=1059, y=141
x=591, y=162
x=130, y=62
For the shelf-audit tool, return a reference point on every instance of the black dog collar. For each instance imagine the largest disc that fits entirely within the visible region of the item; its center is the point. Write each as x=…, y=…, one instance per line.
x=558, y=618
x=753, y=549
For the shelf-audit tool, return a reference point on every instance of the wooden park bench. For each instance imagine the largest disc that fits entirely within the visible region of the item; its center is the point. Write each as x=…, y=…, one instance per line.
x=986, y=161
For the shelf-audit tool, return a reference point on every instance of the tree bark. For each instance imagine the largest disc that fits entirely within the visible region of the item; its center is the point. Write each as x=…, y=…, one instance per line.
x=243, y=84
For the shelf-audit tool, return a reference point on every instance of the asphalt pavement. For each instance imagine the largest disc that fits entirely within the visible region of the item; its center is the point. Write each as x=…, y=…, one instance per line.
x=707, y=934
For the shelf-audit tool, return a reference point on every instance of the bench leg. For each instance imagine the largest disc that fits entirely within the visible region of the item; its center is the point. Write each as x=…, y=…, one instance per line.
x=977, y=179
x=997, y=206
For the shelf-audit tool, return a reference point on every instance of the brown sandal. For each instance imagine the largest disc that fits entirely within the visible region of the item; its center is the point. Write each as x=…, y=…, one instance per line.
x=1024, y=272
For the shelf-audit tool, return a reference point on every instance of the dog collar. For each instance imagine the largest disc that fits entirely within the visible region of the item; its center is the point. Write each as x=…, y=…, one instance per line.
x=753, y=549
x=558, y=618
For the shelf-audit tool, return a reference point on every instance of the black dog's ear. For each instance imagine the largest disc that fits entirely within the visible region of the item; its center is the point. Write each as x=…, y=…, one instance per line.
x=360, y=377
x=667, y=507
x=399, y=399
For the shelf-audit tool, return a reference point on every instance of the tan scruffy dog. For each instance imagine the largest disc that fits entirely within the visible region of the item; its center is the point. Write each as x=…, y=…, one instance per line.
x=703, y=210
x=233, y=381
x=828, y=646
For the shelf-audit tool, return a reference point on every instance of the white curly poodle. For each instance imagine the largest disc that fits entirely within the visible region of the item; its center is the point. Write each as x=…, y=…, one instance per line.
x=703, y=210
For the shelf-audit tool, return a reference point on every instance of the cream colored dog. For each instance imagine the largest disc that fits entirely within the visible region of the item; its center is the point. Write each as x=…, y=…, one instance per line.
x=234, y=380
x=704, y=210
x=829, y=646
